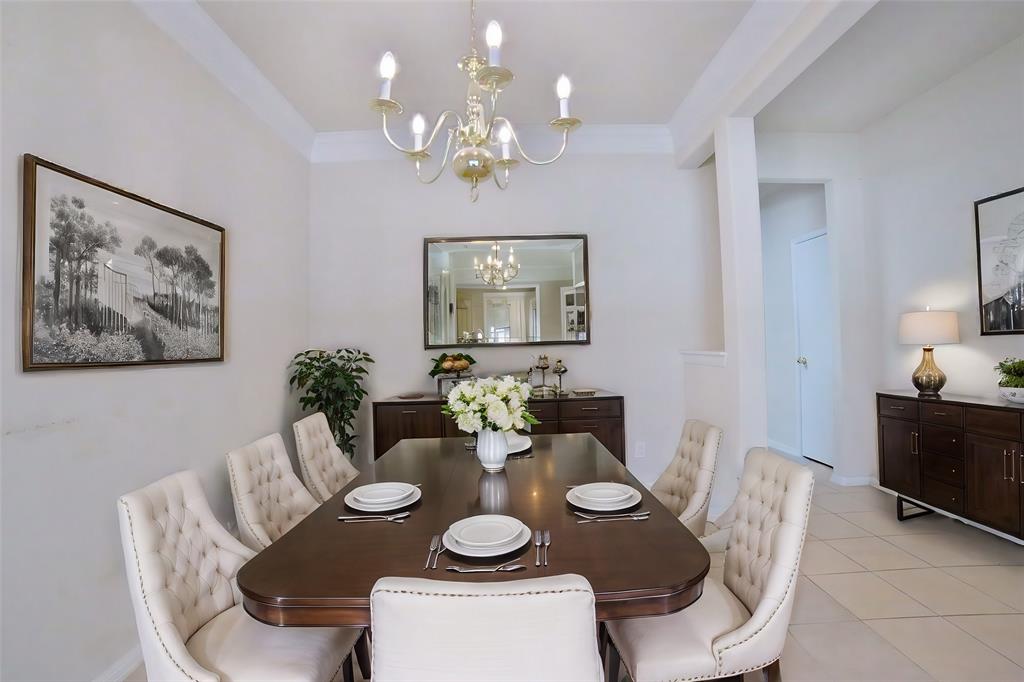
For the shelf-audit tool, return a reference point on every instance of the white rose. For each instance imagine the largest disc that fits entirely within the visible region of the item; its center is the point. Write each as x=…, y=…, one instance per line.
x=524, y=391
x=469, y=422
x=498, y=414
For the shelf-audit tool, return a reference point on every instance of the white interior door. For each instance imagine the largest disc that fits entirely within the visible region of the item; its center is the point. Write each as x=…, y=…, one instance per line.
x=812, y=290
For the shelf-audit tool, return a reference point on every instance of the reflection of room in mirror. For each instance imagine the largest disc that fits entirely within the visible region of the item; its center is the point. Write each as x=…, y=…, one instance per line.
x=545, y=302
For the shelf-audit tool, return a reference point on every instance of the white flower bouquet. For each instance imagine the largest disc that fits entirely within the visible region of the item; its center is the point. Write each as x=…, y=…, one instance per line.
x=494, y=404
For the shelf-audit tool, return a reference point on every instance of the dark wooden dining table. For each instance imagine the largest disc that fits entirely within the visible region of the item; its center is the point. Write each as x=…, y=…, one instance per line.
x=322, y=570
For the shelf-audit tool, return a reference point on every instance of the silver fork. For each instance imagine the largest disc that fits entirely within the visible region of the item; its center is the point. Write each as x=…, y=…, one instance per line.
x=508, y=566
x=547, y=545
x=593, y=517
x=437, y=554
x=394, y=518
x=537, y=540
x=617, y=518
x=434, y=543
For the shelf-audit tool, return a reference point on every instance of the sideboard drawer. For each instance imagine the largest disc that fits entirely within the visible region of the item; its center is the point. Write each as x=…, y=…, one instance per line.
x=939, y=440
x=947, y=415
x=545, y=412
x=894, y=407
x=589, y=409
x=998, y=423
x=942, y=495
x=945, y=469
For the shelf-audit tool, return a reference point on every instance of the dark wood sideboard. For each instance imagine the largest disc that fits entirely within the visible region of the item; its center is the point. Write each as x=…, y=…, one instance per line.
x=602, y=415
x=959, y=454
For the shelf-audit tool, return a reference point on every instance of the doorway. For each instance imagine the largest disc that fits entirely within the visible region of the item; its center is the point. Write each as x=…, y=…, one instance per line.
x=798, y=313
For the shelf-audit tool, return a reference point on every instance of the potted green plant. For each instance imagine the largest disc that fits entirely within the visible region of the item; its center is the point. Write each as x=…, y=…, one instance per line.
x=1011, y=379
x=332, y=383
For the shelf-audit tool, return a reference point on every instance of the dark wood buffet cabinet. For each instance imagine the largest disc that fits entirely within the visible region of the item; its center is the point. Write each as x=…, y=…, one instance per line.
x=955, y=453
x=602, y=415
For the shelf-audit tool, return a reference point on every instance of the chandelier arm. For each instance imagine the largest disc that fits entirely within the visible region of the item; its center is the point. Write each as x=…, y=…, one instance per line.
x=498, y=182
x=444, y=161
x=437, y=127
x=494, y=114
x=515, y=138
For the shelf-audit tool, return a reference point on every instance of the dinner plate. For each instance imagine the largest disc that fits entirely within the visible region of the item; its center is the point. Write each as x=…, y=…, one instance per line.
x=486, y=530
x=351, y=501
x=577, y=501
x=603, y=493
x=517, y=442
x=382, y=493
x=452, y=545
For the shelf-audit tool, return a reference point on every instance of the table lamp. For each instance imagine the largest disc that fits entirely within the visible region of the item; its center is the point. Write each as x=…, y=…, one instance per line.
x=929, y=328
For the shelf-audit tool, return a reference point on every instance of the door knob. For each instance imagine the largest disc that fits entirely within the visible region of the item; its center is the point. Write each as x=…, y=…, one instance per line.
x=801, y=361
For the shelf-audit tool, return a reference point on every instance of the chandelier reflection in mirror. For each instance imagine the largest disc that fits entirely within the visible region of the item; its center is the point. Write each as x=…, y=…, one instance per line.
x=473, y=162
x=496, y=272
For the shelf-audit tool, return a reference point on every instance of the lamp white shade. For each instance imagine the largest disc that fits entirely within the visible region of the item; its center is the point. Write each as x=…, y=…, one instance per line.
x=929, y=328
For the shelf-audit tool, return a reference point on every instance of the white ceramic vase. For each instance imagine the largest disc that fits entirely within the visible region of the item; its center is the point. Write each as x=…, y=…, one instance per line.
x=491, y=449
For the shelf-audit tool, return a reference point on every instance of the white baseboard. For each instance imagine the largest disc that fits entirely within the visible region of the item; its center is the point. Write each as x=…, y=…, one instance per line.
x=852, y=480
x=122, y=667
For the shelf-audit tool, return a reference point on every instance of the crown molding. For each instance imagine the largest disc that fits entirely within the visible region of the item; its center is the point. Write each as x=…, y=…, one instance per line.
x=369, y=145
x=185, y=22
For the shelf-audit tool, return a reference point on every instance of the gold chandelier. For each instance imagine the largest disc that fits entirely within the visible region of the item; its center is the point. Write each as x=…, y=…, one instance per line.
x=496, y=272
x=473, y=162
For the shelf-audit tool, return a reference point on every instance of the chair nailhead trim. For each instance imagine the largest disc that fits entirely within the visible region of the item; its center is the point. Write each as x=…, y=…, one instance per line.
x=145, y=600
x=502, y=594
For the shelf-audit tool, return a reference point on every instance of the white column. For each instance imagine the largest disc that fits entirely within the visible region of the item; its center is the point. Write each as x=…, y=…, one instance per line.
x=739, y=220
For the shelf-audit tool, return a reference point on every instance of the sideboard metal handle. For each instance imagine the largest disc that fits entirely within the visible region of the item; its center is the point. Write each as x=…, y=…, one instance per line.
x=896, y=407
x=408, y=411
x=590, y=426
x=1013, y=465
x=939, y=414
x=913, y=443
x=1021, y=468
x=1004, y=464
x=588, y=409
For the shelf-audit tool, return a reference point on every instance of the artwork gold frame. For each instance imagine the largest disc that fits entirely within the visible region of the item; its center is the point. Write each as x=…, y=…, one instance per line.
x=162, y=303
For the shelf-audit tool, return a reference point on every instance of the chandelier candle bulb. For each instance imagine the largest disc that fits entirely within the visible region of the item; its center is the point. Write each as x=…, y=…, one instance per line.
x=563, y=88
x=418, y=126
x=493, y=38
x=505, y=137
x=388, y=67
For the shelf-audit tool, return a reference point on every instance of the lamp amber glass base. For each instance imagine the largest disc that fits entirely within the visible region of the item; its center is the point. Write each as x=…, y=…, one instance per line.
x=928, y=378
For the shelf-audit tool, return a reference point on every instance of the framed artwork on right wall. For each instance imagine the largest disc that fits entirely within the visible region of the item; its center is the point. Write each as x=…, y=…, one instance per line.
x=999, y=224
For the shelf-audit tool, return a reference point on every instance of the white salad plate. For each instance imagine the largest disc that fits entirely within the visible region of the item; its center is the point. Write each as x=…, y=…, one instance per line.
x=382, y=493
x=351, y=501
x=603, y=493
x=591, y=505
x=484, y=528
x=517, y=442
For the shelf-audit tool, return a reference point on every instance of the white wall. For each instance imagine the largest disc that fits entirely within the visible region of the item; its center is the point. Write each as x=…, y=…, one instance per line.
x=98, y=88
x=925, y=165
x=788, y=211
x=655, y=283
x=899, y=206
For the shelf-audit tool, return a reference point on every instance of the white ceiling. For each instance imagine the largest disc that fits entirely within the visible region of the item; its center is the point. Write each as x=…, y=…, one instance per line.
x=898, y=51
x=631, y=61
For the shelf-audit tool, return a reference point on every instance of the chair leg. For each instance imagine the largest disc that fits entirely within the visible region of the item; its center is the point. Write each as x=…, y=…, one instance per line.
x=602, y=640
x=363, y=654
x=612, y=663
x=347, y=673
x=773, y=672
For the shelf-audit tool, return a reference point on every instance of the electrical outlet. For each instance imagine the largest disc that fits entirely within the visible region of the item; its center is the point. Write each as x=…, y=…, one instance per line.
x=640, y=449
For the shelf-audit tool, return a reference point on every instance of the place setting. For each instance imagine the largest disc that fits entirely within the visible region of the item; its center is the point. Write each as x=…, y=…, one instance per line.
x=485, y=536
x=387, y=502
x=606, y=501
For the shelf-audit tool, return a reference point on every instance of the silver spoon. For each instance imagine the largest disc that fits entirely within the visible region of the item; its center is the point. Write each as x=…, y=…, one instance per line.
x=504, y=568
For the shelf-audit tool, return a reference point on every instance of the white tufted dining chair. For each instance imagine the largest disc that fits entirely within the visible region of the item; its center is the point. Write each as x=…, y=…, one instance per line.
x=269, y=498
x=739, y=626
x=685, y=485
x=181, y=566
x=538, y=629
x=324, y=467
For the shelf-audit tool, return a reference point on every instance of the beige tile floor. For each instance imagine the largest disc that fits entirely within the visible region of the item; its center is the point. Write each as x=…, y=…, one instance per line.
x=925, y=599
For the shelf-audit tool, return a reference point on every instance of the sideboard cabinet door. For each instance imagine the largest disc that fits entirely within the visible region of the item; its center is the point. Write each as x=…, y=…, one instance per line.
x=608, y=431
x=899, y=443
x=393, y=423
x=993, y=490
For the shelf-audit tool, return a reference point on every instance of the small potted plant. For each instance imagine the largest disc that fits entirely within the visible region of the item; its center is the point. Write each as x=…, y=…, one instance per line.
x=1011, y=379
x=490, y=408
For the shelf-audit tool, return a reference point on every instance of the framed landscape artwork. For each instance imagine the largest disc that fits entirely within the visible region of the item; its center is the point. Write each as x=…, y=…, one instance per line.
x=113, y=279
x=999, y=221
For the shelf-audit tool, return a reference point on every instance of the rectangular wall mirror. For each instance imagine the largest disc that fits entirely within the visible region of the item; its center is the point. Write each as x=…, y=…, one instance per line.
x=518, y=290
